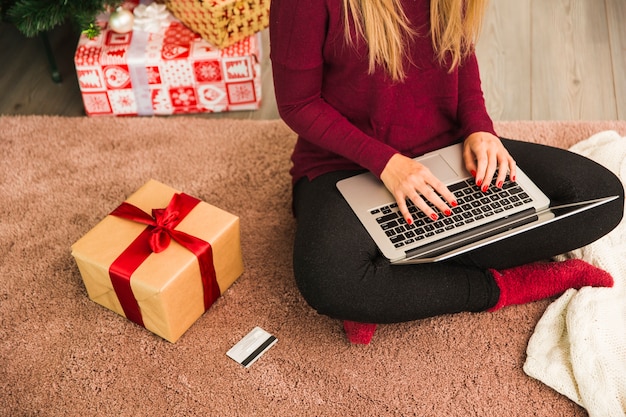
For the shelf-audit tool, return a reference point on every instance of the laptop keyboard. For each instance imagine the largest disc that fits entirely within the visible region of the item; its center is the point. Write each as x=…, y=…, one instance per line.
x=475, y=207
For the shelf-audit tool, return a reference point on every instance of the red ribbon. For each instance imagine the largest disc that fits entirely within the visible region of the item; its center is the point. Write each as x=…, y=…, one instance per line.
x=156, y=238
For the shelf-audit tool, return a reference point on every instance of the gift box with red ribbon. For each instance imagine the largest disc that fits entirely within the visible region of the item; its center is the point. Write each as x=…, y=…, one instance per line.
x=162, y=67
x=160, y=259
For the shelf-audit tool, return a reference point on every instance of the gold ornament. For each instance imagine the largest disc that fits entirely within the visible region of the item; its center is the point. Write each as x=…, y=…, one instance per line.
x=121, y=20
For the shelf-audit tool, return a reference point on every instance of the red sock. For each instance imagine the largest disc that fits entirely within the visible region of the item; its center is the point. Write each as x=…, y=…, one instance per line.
x=359, y=333
x=537, y=281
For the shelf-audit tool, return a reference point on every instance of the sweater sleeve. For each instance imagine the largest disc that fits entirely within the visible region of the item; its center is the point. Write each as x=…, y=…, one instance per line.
x=472, y=113
x=298, y=31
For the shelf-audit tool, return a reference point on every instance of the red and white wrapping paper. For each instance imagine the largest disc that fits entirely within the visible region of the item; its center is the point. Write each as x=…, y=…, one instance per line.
x=170, y=71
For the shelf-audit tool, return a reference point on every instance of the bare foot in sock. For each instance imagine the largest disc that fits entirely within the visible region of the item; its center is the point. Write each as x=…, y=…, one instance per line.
x=527, y=283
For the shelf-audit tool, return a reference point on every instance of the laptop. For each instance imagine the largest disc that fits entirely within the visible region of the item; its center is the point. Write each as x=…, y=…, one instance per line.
x=480, y=218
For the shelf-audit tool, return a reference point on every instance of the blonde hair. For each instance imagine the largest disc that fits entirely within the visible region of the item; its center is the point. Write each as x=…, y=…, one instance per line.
x=455, y=26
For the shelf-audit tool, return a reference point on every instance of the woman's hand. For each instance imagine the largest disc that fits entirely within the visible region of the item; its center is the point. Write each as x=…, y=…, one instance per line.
x=405, y=178
x=483, y=153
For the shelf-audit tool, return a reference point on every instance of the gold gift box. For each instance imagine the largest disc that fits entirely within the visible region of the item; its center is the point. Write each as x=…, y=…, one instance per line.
x=167, y=285
x=222, y=22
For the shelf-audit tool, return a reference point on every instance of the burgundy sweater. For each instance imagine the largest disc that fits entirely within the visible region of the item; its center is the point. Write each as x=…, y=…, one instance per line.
x=346, y=118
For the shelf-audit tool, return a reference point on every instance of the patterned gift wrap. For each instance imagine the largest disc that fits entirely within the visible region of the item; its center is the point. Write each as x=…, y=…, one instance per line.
x=169, y=72
x=222, y=22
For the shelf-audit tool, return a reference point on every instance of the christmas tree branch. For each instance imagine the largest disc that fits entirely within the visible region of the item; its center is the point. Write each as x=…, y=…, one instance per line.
x=34, y=16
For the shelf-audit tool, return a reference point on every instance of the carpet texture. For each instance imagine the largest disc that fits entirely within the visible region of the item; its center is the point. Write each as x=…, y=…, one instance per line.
x=63, y=355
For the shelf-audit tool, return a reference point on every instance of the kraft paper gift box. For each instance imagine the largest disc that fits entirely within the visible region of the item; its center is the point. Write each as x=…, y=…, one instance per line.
x=162, y=68
x=168, y=290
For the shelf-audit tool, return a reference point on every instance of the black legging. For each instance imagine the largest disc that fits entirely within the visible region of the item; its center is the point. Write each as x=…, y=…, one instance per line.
x=342, y=274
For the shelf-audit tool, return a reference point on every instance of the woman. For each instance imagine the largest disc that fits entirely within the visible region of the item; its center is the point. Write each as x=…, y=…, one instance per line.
x=370, y=84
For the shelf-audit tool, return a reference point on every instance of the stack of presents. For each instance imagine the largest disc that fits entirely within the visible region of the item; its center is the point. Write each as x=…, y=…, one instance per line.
x=163, y=257
x=179, y=56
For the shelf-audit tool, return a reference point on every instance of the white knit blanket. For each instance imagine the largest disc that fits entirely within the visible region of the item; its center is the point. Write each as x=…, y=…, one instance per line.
x=579, y=346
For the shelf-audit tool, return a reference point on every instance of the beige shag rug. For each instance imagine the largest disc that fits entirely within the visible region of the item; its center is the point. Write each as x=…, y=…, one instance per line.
x=63, y=355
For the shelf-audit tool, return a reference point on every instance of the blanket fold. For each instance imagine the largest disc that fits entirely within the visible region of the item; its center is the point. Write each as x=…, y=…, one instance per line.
x=579, y=346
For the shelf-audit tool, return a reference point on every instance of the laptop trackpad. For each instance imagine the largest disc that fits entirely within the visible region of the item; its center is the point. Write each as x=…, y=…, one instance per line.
x=439, y=167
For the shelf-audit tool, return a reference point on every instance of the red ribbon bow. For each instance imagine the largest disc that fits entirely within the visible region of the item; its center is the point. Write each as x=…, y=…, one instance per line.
x=155, y=239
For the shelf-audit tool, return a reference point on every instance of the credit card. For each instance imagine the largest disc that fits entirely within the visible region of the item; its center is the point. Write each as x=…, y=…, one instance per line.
x=251, y=347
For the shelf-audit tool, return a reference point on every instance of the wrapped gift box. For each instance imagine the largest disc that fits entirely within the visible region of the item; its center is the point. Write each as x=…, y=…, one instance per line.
x=222, y=22
x=170, y=70
x=160, y=259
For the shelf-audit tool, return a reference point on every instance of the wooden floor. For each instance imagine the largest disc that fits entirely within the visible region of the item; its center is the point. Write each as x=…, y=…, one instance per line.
x=555, y=59
x=540, y=60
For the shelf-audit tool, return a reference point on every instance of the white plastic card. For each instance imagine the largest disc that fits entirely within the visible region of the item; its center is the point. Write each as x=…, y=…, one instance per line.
x=251, y=347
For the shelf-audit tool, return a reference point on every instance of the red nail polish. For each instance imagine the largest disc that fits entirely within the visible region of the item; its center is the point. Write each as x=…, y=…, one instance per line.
x=478, y=182
x=473, y=173
x=485, y=188
x=448, y=212
x=409, y=220
x=434, y=216
x=454, y=203
x=513, y=178
x=500, y=184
